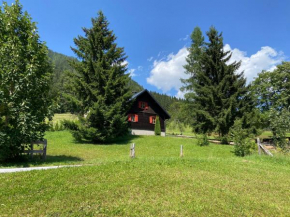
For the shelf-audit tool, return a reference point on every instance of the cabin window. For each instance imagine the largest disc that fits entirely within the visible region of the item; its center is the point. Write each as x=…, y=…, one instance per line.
x=133, y=117
x=152, y=119
x=143, y=105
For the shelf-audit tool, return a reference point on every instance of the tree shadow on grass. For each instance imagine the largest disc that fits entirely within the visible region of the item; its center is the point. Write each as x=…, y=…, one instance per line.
x=125, y=140
x=37, y=161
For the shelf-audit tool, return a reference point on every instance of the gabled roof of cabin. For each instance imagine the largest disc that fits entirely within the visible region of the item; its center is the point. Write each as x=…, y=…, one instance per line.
x=146, y=91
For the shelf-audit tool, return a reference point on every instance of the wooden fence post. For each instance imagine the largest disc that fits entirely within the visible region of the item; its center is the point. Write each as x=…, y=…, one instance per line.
x=44, y=150
x=132, y=151
x=181, y=151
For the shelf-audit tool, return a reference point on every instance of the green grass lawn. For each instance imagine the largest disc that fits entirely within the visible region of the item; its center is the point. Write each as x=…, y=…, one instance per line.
x=207, y=181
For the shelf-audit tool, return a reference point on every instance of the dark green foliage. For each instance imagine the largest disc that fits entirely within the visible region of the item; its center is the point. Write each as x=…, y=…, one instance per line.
x=224, y=140
x=279, y=125
x=100, y=85
x=217, y=94
x=134, y=86
x=164, y=100
x=70, y=125
x=242, y=138
x=203, y=140
x=25, y=75
x=157, y=127
x=60, y=81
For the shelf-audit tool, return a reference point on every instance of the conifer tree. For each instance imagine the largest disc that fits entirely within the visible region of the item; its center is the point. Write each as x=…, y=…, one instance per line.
x=100, y=85
x=216, y=92
x=157, y=127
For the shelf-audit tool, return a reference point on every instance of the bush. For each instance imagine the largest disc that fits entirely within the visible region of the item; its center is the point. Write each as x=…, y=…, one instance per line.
x=203, y=141
x=70, y=125
x=56, y=126
x=242, y=141
x=157, y=128
x=243, y=147
x=224, y=140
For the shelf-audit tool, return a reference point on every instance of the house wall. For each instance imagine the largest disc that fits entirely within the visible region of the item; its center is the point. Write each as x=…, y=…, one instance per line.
x=144, y=114
x=145, y=132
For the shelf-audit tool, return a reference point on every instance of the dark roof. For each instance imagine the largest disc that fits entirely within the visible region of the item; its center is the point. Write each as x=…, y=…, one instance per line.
x=144, y=91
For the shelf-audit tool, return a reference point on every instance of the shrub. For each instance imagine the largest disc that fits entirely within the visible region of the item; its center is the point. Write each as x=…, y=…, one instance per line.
x=243, y=147
x=70, y=125
x=224, y=140
x=157, y=128
x=242, y=141
x=56, y=126
x=203, y=141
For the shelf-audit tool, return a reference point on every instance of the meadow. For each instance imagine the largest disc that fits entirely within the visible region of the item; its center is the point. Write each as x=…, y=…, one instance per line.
x=207, y=181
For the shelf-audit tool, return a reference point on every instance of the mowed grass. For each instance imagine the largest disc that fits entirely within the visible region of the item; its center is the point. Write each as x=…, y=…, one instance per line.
x=207, y=181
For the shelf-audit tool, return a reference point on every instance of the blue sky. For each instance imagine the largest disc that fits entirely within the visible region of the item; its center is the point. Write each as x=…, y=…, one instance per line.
x=155, y=33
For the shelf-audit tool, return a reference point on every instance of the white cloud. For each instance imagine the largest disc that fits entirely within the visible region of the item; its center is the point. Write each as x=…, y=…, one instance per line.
x=140, y=68
x=125, y=63
x=184, y=39
x=166, y=73
x=180, y=94
x=132, y=72
x=265, y=59
x=150, y=59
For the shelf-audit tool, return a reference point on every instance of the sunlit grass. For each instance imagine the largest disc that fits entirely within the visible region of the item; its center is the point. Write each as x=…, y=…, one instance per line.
x=207, y=181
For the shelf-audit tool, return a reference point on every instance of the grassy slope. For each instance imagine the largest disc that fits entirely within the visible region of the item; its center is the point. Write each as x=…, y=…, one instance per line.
x=208, y=181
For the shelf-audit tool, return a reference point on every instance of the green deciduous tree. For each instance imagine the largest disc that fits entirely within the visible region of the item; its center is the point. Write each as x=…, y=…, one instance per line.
x=217, y=94
x=279, y=123
x=272, y=89
x=272, y=92
x=100, y=85
x=25, y=75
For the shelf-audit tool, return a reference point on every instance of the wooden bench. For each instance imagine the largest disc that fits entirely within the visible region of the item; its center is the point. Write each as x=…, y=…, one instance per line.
x=39, y=151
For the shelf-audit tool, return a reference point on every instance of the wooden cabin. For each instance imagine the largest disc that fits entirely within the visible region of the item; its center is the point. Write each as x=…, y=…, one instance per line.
x=143, y=113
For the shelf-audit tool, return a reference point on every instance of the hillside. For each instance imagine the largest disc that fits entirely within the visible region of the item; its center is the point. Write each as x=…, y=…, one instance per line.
x=60, y=64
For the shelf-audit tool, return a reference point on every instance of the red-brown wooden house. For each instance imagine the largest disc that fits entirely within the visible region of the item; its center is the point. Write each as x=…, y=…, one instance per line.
x=143, y=112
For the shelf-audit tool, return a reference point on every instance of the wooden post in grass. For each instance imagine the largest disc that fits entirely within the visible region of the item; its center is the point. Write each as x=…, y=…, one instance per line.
x=259, y=148
x=132, y=151
x=181, y=151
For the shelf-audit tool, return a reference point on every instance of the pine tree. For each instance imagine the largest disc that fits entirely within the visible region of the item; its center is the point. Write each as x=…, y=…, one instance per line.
x=100, y=85
x=217, y=93
x=157, y=128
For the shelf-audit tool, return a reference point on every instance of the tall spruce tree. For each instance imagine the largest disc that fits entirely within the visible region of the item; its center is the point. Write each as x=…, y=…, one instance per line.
x=217, y=94
x=100, y=85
